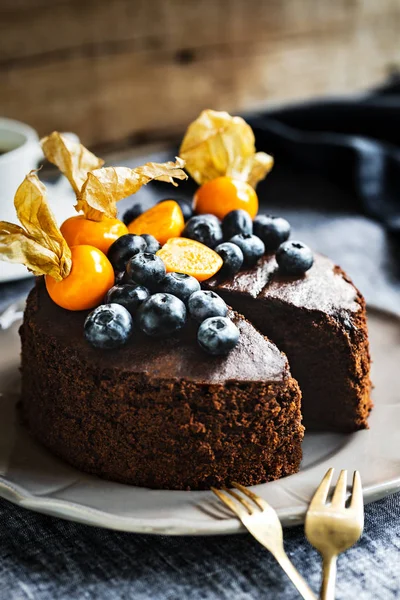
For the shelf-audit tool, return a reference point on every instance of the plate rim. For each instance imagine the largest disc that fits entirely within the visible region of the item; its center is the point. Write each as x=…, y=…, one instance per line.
x=79, y=513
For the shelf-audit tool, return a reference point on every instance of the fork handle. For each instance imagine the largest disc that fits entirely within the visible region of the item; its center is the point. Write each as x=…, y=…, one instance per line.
x=328, y=578
x=295, y=577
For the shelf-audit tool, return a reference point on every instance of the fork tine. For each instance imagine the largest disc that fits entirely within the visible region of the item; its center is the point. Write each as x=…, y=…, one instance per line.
x=259, y=501
x=243, y=501
x=235, y=508
x=357, y=502
x=321, y=494
x=339, y=495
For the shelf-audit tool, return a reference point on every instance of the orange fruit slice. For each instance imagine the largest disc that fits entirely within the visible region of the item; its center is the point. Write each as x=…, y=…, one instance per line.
x=164, y=221
x=182, y=255
x=90, y=279
x=223, y=194
x=78, y=231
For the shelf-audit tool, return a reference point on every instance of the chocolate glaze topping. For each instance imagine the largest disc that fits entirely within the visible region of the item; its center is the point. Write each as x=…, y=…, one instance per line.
x=322, y=288
x=179, y=357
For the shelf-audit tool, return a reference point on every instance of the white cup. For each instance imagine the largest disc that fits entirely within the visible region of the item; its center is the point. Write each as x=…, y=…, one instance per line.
x=20, y=153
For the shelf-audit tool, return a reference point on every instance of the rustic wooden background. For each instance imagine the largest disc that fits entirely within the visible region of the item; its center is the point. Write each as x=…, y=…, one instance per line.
x=119, y=72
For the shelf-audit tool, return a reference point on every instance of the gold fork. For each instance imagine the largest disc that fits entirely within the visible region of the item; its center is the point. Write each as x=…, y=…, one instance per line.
x=261, y=520
x=333, y=528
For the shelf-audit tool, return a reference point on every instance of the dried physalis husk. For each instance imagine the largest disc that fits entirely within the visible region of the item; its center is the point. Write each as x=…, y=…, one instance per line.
x=74, y=160
x=38, y=244
x=105, y=187
x=217, y=144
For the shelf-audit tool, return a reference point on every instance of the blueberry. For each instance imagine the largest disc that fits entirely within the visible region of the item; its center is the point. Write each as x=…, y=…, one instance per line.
x=186, y=208
x=294, y=258
x=130, y=296
x=204, y=304
x=218, y=335
x=272, y=230
x=162, y=315
x=180, y=285
x=146, y=268
x=232, y=256
x=153, y=245
x=119, y=276
x=132, y=213
x=205, y=229
x=251, y=246
x=108, y=326
x=236, y=221
x=124, y=248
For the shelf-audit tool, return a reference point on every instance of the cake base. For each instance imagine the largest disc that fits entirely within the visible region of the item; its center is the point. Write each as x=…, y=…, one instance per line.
x=132, y=416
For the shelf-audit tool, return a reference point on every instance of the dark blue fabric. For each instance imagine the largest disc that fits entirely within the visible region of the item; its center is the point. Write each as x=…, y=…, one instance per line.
x=354, y=142
x=43, y=558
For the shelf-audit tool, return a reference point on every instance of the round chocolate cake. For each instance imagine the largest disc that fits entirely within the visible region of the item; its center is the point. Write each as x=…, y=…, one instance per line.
x=160, y=414
x=164, y=414
x=191, y=395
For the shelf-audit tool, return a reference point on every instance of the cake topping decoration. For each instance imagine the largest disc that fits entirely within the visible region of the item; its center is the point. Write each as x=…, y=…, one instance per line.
x=104, y=187
x=38, y=243
x=294, y=258
x=162, y=315
x=71, y=157
x=163, y=221
x=180, y=285
x=252, y=247
x=232, y=256
x=99, y=189
x=205, y=304
x=124, y=248
x=218, y=335
x=272, y=230
x=182, y=255
x=217, y=144
x=205, y=229
x=108, y=326
x=88, y=282
x=220, y=155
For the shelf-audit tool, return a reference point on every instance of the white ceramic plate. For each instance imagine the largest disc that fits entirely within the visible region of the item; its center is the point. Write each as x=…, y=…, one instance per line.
x=31, y=477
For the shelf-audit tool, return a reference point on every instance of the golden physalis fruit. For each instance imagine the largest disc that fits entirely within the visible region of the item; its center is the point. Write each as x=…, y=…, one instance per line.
x=88, y=282
x=182, y=255
x=164, y=221
x=220, y=154
x=100, y=234
x=223, y=194
x=99, y=189
x=37, y=243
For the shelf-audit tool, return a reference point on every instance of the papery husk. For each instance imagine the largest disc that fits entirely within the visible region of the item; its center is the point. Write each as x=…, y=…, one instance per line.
x=217, y=144
x=74, y=160
x=38, y=244
x=105, y=187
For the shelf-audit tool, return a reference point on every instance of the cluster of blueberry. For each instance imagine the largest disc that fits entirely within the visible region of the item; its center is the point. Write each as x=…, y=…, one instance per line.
x=240, y=241
x=158, y=302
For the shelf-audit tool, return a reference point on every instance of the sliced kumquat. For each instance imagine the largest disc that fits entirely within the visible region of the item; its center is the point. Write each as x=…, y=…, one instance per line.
x=90, y=279
x=223, y=194
x=79, y=231
x=182, y=255
x=164, y=221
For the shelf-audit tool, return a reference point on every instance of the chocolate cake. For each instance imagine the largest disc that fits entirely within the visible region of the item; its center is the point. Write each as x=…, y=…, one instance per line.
x=192, y=394
x=319, y=321
x=160, y=414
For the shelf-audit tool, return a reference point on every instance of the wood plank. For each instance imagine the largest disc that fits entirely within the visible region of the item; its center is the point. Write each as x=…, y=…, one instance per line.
x=31, y=29
x=118, y=76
